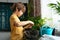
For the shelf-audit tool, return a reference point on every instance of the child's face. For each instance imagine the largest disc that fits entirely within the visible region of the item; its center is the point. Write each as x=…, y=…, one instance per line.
x=20, y=13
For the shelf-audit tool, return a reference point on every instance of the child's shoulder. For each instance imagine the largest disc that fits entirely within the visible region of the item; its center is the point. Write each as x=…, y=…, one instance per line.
x=13, y=16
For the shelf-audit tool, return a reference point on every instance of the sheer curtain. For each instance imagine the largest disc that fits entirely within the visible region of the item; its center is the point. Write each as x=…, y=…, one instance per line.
x=50, y=13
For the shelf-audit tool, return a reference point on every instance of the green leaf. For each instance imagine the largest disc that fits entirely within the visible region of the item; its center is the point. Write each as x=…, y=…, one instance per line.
x=52, y=5
x=58, y=3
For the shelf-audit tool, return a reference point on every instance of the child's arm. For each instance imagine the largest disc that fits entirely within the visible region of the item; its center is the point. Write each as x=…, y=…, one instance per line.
x=19, y=23
x=23, y=23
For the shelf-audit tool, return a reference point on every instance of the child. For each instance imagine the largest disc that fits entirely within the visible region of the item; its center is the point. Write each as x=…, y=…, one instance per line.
x=17, y=25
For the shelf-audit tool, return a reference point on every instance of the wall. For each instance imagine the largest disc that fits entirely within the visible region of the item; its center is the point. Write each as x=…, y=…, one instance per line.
x=23, y=1
x=3, y=0
x=48, y=12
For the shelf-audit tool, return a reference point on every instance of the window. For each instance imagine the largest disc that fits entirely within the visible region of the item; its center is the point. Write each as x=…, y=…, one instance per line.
x=5, y=13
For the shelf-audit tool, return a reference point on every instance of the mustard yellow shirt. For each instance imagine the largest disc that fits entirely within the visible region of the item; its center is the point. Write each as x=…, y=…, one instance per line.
x=16, y=32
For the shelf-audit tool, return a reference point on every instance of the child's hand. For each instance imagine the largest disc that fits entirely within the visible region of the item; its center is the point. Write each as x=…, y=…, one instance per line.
x=30, y=22
x=28, y=26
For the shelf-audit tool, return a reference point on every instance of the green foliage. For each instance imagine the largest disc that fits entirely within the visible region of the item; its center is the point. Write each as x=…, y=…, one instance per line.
x=55, y=6
x=38, y=22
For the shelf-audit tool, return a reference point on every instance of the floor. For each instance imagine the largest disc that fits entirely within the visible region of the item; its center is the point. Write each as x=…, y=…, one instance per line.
x=4, y=35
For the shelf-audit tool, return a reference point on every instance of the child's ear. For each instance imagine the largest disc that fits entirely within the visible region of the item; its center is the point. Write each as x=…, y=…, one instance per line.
x=16, y=9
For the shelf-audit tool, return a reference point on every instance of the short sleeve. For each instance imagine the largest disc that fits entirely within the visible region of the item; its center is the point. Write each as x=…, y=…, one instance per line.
x=15, y=21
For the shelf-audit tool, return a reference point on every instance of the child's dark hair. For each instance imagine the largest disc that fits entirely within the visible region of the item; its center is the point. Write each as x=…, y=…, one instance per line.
x=19, y=6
